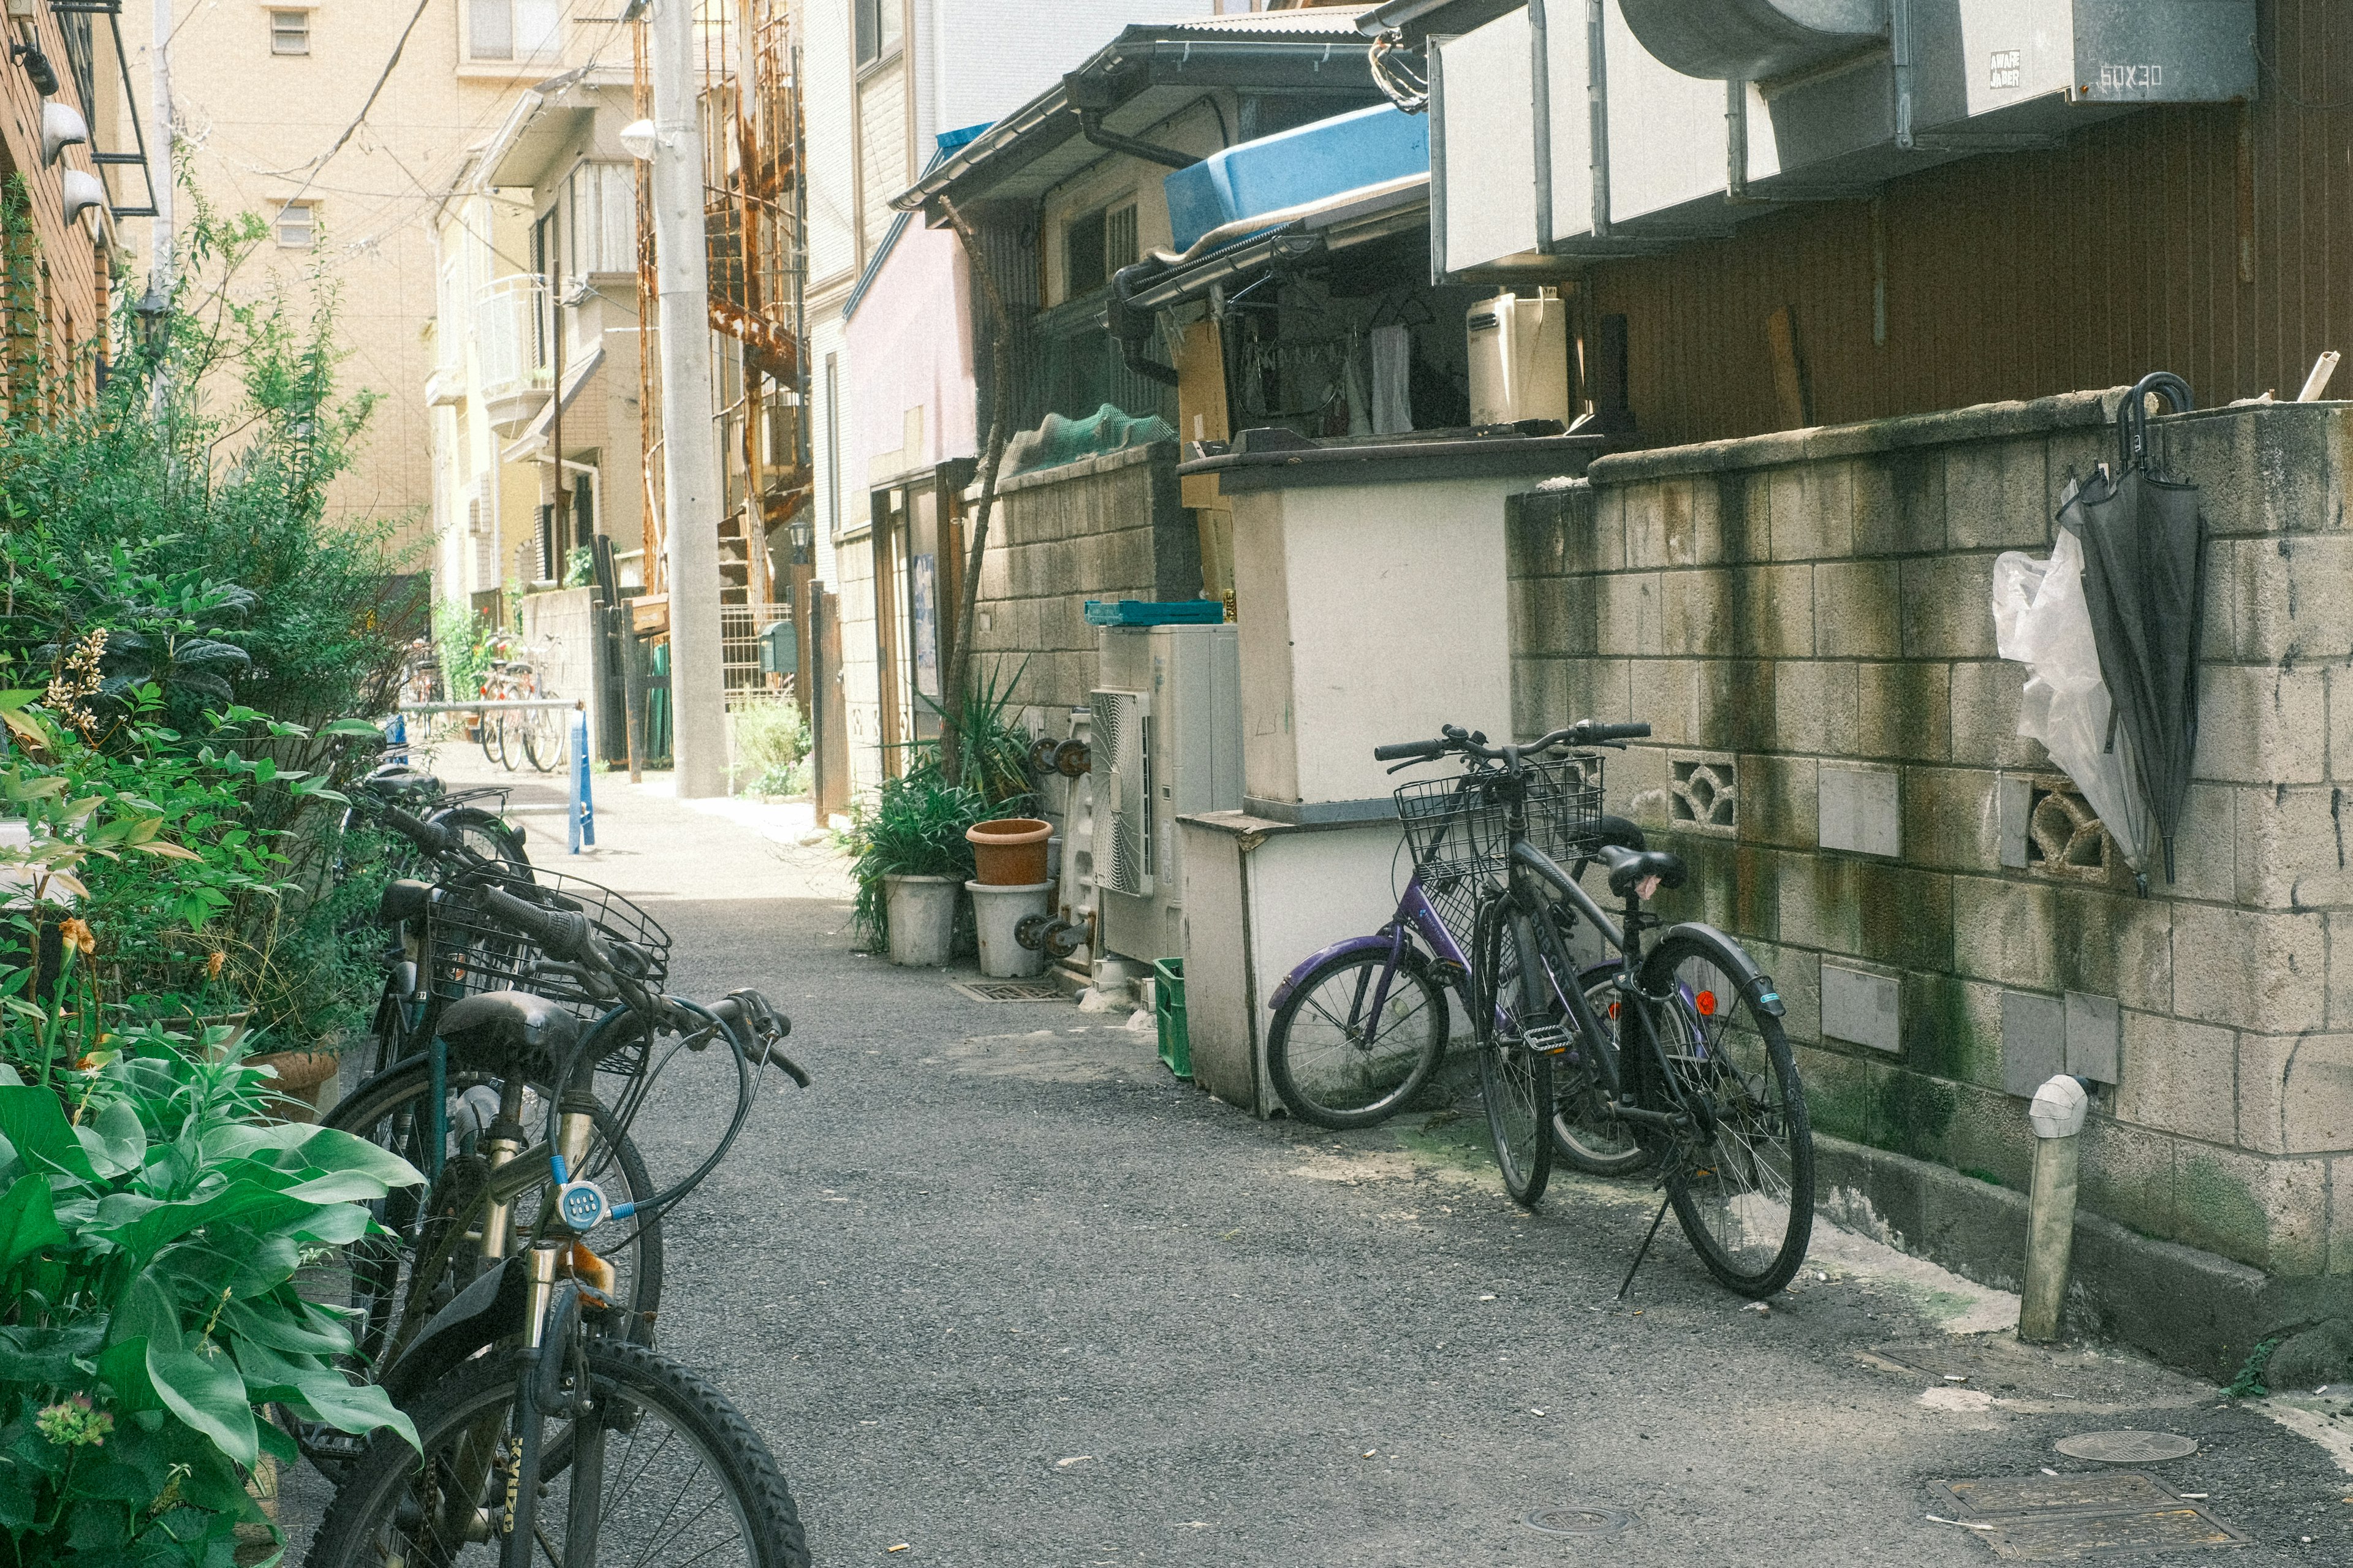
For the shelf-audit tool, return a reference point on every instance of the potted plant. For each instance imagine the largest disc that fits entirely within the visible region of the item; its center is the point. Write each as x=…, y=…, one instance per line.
x=912, y=860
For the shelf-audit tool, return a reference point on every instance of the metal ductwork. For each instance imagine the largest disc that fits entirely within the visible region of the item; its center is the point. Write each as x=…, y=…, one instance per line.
x=1754, y=40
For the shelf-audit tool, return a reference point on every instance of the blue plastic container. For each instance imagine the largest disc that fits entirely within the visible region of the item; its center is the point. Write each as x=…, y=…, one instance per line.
x=1304, y=164
x=1149, y=613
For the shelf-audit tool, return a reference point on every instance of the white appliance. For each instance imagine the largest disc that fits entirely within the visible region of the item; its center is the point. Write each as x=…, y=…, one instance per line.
x=1166, y=742
x=1519, y=358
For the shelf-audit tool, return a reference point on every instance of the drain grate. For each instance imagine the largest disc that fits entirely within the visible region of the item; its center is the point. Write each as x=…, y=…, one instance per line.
x=1575, y=1519
x=2071, y=1519
x=1009, y=990
x=2127, y=1448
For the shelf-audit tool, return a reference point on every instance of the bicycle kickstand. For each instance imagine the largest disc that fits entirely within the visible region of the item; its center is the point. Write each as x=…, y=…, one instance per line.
x=1656, y=1220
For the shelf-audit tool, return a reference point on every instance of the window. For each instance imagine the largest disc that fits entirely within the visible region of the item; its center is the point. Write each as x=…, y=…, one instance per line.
x=878, y=29
x=513, y=29
x=603, y=200
x=290, y=32
x=297, y=225
x=546, y=264
x=1096, y=246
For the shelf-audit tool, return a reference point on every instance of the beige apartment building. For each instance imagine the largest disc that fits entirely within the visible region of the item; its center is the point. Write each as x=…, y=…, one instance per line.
x=272, y=104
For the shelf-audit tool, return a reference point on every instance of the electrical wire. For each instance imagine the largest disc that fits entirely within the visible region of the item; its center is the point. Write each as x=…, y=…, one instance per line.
x=373, y=93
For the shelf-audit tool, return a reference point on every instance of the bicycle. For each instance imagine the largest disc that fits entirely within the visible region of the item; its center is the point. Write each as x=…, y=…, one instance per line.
x=1360, y=1025
x=543, y=1429
x=533, y=731
x=1692, y=1064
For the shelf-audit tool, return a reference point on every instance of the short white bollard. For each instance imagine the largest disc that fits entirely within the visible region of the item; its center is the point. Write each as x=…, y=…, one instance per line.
x=2057, y=1115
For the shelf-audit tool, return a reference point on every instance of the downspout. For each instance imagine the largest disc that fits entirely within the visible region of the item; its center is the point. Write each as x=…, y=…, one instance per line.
x=1597, y=94
x=1540, y=98
x=1091, y=126
x=1900, y=42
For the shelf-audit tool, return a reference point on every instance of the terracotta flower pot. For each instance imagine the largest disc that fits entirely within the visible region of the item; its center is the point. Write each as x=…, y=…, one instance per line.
x=1009, y=852
x=301, y=1075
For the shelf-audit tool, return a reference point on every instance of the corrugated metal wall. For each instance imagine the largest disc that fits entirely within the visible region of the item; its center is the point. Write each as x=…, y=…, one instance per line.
x=2215, y=242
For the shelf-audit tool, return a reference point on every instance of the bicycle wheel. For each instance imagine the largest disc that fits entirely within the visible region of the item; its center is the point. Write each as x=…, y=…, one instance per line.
x=543, y=739
x=654, y=1461
x=1514, y=1081
x=486, y=729
x=394, y=1111
x=1339, y=1061
x=1584, y=1136
x=489, y=836
x=1743, y=1185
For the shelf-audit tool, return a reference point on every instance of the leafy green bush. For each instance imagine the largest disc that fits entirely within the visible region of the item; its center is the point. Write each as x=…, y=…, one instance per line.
x=770, y=740
x=914, y=826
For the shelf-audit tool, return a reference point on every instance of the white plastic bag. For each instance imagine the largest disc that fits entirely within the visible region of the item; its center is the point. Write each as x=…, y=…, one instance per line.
x=2039, y=619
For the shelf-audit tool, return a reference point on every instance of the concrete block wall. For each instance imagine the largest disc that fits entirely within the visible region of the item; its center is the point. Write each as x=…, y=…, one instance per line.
x=1106, y=527
x=1804, y=618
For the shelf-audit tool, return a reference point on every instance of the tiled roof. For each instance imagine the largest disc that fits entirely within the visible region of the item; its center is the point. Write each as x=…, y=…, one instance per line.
x=1311, y=21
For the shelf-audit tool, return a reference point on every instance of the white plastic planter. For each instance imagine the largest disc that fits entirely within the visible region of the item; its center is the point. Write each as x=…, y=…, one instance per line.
x=923, y=911
x=998, y=912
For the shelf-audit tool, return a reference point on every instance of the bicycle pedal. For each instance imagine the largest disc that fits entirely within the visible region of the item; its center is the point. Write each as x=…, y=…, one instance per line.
x=1547, y=1039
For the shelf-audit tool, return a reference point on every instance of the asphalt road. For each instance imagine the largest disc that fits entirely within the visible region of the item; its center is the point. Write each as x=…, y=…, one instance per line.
x=999, y=1290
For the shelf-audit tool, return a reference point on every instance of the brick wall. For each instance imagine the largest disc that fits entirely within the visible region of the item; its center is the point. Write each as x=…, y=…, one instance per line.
x=1805, y=620
x=1109, y=527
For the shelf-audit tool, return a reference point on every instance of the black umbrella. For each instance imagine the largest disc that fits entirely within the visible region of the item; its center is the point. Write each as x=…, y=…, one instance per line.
x=2145, y=584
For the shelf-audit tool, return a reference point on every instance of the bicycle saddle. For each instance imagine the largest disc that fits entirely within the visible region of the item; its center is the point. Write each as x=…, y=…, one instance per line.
x=1628, y=868
x=508, y=1026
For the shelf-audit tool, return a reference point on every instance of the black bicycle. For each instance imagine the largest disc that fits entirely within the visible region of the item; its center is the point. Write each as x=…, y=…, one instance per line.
x=1675, y=1053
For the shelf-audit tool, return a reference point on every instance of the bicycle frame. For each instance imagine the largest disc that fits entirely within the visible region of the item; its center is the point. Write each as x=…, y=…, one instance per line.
x=1416, y=915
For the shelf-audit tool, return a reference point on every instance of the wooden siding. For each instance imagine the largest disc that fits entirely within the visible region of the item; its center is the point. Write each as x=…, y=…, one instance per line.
x=2216, y=242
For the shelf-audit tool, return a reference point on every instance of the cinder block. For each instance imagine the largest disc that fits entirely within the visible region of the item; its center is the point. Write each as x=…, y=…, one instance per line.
x=1949, y=607
x=1597, y=689
x=1862, y=1006
x=2272, y=1213
x=1634, y=786
x=1685, y=530
x=1795, y=973
x=1627, y=614
x=2259, y=724
x=1539, y=696
x=2180, y=1078
x=1639, y=505
x=1608, y=544
x=1899, y=503
x=2205, y=848
x=1664, y=694
x=2126, y=1172
x=2261, y=971
x=1952, y=1028
x=1813, y=510
x=2013, y=808
x=1741, y=501
x=2289, y=597
x=2341, y=724
x=1751, y=611
x=2290, y=847
x=1952, y=818
x=1730, y=886
x=1705, y=793
x=1855, y=609
x=1996, y=494
x=2218, y=637
x=2296, y=1093
x=1568, y=616
x=2033, y=1040
x=2095, y=1037
x=1985, y=702
x=1843, y=1087
x=1815, y=706
x=1871, y=910
x=1776, y=800
x=1734, y=704
x=1903, y=711
x=2338, y=926
x=2298, y=458
x=1860, y=809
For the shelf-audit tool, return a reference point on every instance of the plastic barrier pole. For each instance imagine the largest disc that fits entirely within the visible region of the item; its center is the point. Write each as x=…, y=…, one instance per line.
x=584, y=801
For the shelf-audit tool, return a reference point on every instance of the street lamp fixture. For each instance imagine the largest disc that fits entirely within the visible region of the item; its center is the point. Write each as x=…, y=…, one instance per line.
x=803, y=534
x=38, y=69
x=153, y=313
x=641, y=138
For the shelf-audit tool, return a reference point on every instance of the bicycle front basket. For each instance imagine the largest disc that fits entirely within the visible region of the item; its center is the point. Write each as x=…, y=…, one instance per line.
x=474, y=950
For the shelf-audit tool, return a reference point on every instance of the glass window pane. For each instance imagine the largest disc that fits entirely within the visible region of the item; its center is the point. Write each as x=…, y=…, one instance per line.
x=539, y=26
x=489, y=30
x=290, y=32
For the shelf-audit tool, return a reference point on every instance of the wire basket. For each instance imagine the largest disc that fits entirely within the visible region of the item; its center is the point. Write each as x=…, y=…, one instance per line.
x=1459, y=832
x=474, y=950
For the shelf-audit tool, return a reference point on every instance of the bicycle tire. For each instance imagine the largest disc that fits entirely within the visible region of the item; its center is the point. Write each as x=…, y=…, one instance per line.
x=1514, y=1083
x=389, y=1494
x=1340, y=1045
x=488, y=835
x=486, y=731
x=1583, y=1138
x=1744, y=1198
x=367, y=1112
x=543, y=739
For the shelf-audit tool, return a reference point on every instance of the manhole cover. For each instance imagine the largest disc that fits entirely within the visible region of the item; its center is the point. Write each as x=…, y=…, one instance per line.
x=1579, y=1521
x=1009, y=990
x=2126, y=1447
x=2072, y=1537
x=2095, y=1491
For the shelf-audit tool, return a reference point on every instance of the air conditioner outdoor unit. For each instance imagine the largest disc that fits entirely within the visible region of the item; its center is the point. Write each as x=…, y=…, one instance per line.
x=1167, y=742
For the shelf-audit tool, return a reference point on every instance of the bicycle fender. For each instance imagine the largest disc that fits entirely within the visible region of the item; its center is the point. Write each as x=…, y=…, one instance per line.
x=1754, y=983
x=483, y=1313
x=1374, y=943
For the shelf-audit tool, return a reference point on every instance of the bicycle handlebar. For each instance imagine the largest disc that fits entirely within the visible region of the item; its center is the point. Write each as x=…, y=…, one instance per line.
x=1471, y=743
x=430, y=836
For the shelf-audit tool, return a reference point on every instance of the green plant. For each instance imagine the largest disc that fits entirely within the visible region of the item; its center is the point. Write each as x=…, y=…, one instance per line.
x=994, y=756
x=770, y=739
x=151, y=1232
x=580, y=567
x=461, y=646
x=2250, y=1383
x=914, y=826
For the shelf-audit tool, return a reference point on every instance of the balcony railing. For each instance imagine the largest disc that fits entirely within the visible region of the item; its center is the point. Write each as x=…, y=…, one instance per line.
x=511, y=335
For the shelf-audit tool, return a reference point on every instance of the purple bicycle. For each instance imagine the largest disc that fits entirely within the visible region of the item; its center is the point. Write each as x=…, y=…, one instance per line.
x=1360, y=1026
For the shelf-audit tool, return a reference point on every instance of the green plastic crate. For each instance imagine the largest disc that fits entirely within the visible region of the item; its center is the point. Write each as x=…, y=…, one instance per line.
x=1168, y=1010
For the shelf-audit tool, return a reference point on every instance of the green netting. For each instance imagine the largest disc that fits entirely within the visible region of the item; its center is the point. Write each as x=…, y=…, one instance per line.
x=1060, y=440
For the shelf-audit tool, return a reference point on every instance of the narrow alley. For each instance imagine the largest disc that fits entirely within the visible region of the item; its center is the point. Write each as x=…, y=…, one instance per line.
x=998, y=1289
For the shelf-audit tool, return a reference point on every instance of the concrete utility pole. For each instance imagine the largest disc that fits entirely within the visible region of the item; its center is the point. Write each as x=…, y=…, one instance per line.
x=691, y=499
x=160, y=238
